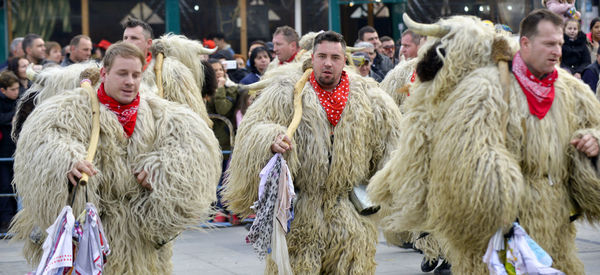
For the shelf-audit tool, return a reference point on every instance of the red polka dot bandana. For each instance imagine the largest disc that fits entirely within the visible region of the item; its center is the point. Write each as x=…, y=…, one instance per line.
x=333, y=102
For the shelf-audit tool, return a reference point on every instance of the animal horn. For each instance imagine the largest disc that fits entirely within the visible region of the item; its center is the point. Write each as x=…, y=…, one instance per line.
x=353, y=49
x=204, y=50
x=425, y=29
x=31, y=73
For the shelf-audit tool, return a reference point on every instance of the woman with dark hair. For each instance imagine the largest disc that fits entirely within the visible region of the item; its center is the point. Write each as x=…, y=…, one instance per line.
x=259, y=60
x=18, y=65
x=594, y=36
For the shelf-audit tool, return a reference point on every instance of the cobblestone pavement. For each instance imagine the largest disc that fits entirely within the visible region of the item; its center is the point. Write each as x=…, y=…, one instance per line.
x=224, y=251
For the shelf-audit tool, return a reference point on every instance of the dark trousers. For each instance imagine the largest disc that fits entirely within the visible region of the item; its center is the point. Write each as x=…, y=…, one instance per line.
x=8, y=205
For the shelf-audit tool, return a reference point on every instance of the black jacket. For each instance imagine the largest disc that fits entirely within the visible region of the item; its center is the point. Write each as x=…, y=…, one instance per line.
x=575, y=54
x=7, y=111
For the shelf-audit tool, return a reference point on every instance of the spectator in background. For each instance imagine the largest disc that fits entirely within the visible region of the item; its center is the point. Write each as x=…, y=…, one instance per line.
x=222, y=45
x=222, y=103
x=16, y=47
x=409, y=44
x=18, y=66
x=590, y=73
x=564, y=8
x=253, y=45
x=271, y=50
x=240, y=60
x=81, y=50
x=369, y=49
x=16, y=50
x=9, y=88
x=53, y=52
x=285, y=45
x=140, y=34
x=244, y=101
x=362, y=61
x=388, y=48
x=259, y=61
x=100, y=50
x=34, y=49
x=240, y=70
x=575, y=53
x=381, y=63
x=594, y=37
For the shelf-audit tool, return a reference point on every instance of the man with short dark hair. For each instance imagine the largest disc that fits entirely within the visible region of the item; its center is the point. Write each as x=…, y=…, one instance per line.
x=388, y=48
x=223, y=46
x=34, y=49
x=381, y=63
x=409, y=44
x=154, y=174
x=140, y=34
x=348, y=130
x=285, y=45
x=80, y=50
x=486, y=145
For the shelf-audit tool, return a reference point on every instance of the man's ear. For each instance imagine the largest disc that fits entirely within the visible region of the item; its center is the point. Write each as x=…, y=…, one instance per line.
x=3, y=91
x=524, y=42
x=149, y=42
x=102, y=73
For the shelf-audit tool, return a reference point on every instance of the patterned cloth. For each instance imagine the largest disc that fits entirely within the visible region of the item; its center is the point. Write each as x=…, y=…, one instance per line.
x=93, y=247
x=58, y=246
x=273, y=174
x=127, y=114
x=333, y=102
x=539, y=92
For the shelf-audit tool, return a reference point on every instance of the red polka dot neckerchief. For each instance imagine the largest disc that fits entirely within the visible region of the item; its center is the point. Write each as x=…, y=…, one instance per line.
x=333, y=102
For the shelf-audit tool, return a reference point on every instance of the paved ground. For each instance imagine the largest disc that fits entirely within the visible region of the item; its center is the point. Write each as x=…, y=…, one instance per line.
x=223, y=251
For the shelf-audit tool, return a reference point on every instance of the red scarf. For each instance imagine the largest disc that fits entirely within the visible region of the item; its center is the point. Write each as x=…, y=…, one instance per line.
x=127, y=114
x=289, y=60
x=333, y=102
x=539, y=93
x=148, y=60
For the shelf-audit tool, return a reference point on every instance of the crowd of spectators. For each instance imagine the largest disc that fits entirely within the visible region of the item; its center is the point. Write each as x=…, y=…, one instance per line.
x=228, y=97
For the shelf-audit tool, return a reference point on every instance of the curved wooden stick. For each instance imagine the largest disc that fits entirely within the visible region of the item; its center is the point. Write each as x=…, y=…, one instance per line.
x=158, y=72
x=298, y=103
x=91, y=152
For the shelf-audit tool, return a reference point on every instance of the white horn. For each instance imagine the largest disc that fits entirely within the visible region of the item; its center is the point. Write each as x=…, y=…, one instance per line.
x=425, y=29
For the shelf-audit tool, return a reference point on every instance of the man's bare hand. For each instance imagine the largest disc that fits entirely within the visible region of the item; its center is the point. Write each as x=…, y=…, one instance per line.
x=142, y=179
x=82, y=166
x=281, y=144
x=587, y=144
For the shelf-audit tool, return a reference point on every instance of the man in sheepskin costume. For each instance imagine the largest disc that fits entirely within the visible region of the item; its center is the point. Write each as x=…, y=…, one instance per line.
x=154, y=175
x=483, y=146
x=348, y=130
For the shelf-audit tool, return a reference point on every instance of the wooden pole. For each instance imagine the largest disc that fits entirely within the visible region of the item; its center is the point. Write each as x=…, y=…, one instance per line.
x=243, y=28
x=9, y=21
x=85, y=18
x=370, y=21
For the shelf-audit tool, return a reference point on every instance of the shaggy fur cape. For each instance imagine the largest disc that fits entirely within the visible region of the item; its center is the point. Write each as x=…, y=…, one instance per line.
x=462, y=171
x=398, y=78
x=327, y=236
x=467, y=180
x=170, y=142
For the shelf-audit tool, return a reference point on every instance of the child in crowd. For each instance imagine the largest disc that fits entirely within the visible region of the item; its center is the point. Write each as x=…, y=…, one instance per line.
x=564, y=8
x=575, y=53
x=244, y=101
x=9, y=88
